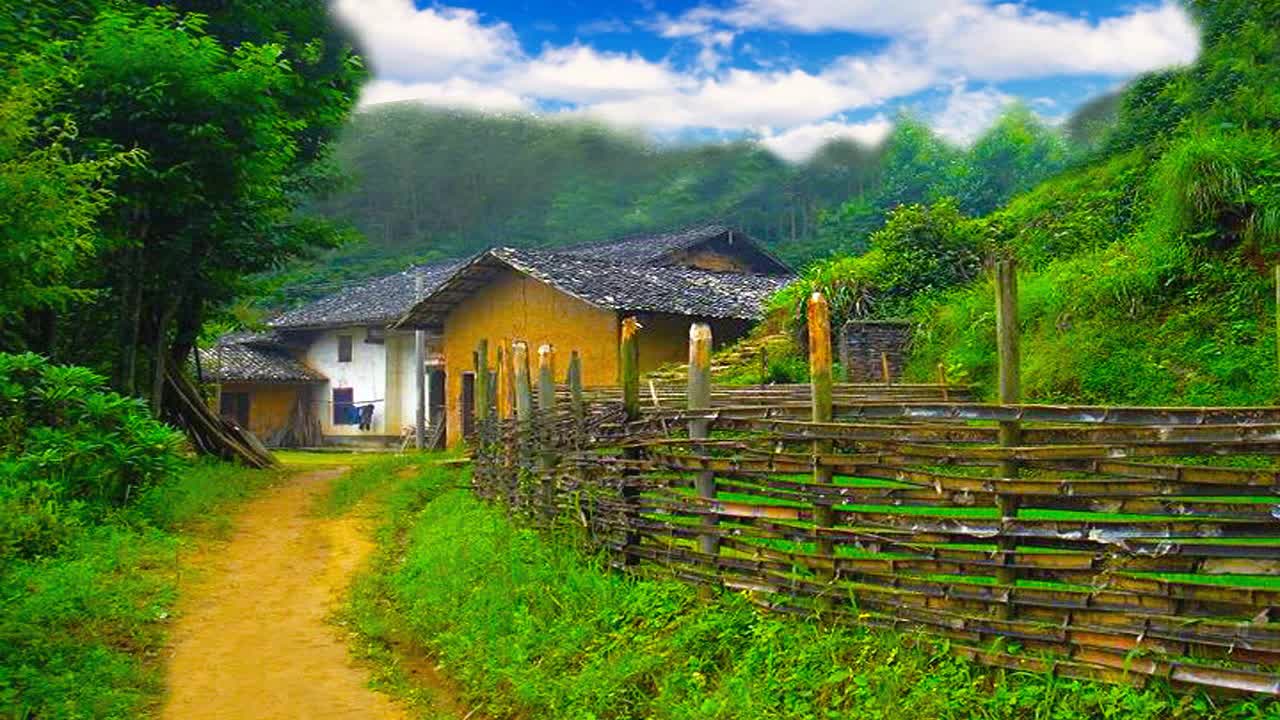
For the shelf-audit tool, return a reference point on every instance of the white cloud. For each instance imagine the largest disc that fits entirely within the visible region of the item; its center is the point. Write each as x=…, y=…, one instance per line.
x=579, y=73
x=977, y=39
x=408, y=43
x=454, y=92
x=969, y=112
x=800, y=143
x=451, y=56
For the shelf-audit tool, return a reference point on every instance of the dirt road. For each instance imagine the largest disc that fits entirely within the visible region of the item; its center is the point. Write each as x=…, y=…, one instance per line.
x=251, y=640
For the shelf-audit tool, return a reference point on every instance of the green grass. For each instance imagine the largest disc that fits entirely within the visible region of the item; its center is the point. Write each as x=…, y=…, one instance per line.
x=82, y=632
x=530, y=626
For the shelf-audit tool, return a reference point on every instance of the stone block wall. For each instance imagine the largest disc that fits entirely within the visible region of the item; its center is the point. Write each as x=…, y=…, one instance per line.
x=862, y=341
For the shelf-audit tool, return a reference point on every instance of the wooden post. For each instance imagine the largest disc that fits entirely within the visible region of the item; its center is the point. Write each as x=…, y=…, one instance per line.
x=419, y=376
x=524, y=394
x=629, y=368
x=819, y=317
x=482, y=384
x=547, y=424
x=942, y=382
x=577, y=407
x=629, y=375
x=502, y=399
x=884, y=369
x=699, y=429
x=1010, y=387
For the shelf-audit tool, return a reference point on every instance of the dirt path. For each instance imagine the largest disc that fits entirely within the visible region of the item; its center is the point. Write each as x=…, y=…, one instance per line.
x=251, y=640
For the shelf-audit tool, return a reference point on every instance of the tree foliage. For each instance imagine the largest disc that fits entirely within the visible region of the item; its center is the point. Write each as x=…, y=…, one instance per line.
x=181, y=137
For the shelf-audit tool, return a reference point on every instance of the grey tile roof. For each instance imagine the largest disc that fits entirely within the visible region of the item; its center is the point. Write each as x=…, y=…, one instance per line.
x=239, y=362
x=655, y=248
x=611, y=285
x=374, y=302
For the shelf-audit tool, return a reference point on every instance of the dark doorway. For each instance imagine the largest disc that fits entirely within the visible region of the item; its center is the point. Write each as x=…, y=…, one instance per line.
x=436, y=407
x=234, y=406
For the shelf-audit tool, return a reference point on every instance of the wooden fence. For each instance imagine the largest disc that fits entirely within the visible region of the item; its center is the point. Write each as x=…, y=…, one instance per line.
x=1109, y=543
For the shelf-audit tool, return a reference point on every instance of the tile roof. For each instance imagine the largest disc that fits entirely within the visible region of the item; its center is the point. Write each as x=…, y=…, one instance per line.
x=379, y=301
x=239, y=362
x=609, y=284
x=654, y=248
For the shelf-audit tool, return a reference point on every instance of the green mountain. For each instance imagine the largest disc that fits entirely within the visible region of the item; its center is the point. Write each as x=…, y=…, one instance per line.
x=427, y=184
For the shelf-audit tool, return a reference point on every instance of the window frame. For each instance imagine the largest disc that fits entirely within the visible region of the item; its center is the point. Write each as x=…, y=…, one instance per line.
x=346, y=348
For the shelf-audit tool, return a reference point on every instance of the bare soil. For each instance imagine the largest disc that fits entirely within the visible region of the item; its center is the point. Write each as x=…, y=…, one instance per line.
x=252, y=639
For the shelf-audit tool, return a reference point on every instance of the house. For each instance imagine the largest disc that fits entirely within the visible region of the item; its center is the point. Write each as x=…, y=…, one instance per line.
x=356, y=347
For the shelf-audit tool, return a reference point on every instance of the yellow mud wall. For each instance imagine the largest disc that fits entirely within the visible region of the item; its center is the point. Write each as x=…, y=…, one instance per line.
x=516, y=307
x=269, y=405
x=664, y=339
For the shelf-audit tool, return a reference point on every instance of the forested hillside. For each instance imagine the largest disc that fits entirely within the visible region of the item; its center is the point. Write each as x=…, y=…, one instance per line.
x=1145, y=271
x=426, y=183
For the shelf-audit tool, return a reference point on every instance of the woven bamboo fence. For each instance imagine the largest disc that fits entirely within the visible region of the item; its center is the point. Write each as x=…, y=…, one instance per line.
x=1110, y=543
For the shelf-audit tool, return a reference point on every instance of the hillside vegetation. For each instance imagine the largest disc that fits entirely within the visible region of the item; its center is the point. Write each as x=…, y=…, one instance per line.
x=1145, y=270
x=427, y=184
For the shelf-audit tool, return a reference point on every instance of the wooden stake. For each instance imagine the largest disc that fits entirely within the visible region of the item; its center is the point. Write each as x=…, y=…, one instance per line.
x=520, y=377
x=699, y=396
x=1010, y=384
x=482, y=383
x=502, y=404
x=629, y=368
x=819, y=317
x=942, y=381
x=884, y=369
x=629, y=375
x=577, y=406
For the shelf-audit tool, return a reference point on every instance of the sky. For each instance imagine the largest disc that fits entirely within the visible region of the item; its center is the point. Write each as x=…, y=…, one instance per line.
x=791, y=73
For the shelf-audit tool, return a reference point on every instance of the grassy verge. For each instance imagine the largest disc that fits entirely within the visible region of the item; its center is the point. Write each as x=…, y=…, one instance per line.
x=529, y=626
x=81, y=631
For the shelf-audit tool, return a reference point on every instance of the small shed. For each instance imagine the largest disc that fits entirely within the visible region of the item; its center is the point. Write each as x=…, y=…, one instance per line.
x=864, y=344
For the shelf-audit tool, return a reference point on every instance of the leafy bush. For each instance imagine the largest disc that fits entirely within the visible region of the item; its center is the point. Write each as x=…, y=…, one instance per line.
x=921, y=249
x=69, y=450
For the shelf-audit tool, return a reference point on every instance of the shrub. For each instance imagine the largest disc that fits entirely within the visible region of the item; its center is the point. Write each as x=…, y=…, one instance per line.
x=70, y=449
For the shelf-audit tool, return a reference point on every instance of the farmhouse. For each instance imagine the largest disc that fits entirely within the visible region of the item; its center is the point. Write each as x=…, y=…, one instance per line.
x=341, y=369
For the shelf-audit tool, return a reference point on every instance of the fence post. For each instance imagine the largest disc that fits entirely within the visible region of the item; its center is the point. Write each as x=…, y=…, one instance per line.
x=819, y=317
x=1010, y=384
x=942, y=382
x=629, y=375
x=482, y=386
x=699, y=395
x=884, y=369
x=547, y=423
x=577, y=407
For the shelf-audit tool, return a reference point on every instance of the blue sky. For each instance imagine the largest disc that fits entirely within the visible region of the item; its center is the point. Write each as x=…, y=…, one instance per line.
x=792, y=73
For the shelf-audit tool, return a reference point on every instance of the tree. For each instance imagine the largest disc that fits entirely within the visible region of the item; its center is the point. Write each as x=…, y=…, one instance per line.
x=1013, y=156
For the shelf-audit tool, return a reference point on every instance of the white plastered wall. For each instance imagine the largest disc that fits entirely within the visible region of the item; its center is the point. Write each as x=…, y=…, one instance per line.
x=366, y=375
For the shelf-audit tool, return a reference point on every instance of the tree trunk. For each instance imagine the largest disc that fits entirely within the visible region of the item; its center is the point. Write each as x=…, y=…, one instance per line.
x=160, y=355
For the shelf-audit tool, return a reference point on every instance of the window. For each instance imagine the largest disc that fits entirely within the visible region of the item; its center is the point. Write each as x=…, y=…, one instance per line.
x=344, y=348
x=376, y=336
x=344, y=407
x=234, y=406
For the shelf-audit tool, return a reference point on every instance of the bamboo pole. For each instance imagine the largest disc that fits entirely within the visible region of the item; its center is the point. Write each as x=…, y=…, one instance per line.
x=1010, y=388
x=819, y=321
x=699, y=396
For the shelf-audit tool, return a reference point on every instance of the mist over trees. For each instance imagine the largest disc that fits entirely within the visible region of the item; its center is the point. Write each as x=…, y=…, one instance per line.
x=426, y=183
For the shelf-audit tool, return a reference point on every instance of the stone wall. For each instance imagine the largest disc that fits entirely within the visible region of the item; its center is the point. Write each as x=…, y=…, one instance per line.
x=863, y=341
